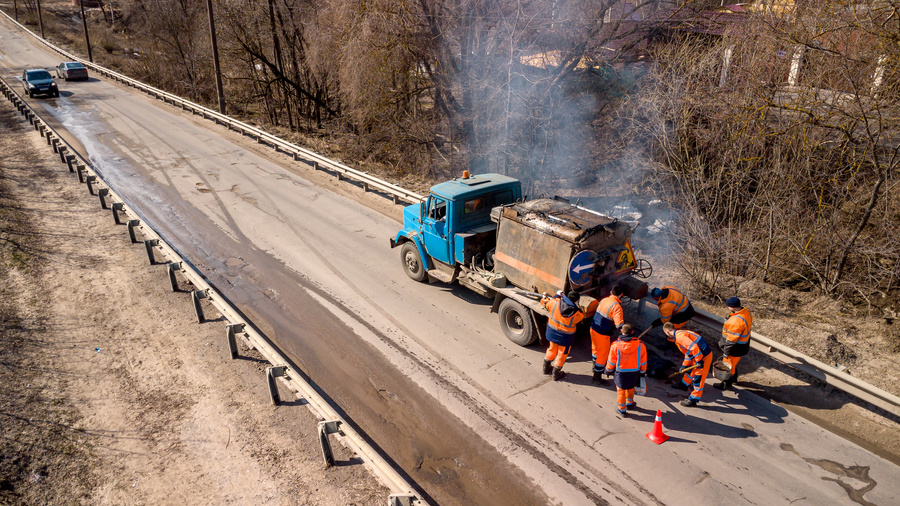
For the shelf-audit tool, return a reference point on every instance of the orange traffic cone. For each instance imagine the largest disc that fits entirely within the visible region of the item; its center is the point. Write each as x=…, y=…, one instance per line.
x=656, y=435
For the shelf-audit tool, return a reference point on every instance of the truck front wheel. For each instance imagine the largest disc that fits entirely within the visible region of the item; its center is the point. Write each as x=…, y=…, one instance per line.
x=412, y=262
x=516, y=322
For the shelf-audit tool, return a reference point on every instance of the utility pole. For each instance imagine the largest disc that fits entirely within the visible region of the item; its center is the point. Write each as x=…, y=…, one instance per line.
x=40, y=19
x=215, y=49
x=16, y=9
x=87, y=40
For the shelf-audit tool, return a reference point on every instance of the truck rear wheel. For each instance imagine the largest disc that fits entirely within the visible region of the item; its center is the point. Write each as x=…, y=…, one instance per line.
x=412, y=262
x=516, y=322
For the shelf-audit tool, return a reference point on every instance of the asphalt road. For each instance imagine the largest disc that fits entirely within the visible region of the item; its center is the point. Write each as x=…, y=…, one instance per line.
x=424, y=370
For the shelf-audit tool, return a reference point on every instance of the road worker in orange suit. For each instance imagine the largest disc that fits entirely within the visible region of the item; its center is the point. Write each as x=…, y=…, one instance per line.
x=564, y=318
x=735, y=341
x=696, y=353
x=628, y=359
x=674, y=307
x=607, y=317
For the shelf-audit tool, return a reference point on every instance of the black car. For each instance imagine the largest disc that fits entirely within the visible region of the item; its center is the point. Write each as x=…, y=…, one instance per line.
x=39, y=82
x=71, y=70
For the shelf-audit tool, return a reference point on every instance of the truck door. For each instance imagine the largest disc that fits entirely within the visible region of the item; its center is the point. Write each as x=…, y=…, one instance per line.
x=435, y=229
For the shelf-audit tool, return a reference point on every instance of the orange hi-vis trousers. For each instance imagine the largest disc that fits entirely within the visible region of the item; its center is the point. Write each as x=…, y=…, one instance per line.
x=558, y=352
x=734, y=362
x=697, y=377
x=624, y=398
x=599, y=349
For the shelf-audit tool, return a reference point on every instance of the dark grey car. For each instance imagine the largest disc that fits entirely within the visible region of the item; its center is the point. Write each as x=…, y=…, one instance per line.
x=39, y=82
x=71, y=70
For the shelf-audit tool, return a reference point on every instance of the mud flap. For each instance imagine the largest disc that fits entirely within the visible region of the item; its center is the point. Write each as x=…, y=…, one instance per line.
x=541, y=325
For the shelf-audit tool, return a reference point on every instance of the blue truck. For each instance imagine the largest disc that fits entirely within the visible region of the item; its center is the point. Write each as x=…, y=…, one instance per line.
x=479, y=231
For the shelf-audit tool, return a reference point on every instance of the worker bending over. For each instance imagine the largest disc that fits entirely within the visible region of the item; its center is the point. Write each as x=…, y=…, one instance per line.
x=564, y=318
x=608, y=316
x=696, y=353
x=674, y=307
x=735, y=341
x=628, y=358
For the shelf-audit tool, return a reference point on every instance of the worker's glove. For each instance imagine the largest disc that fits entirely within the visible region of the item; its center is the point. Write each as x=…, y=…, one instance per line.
x=608, y=373
x=724, y=357
x=656, y=323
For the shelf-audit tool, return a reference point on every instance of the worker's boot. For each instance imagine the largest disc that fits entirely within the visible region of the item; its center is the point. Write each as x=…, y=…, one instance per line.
x=689, y=402
x=723, y=385
x=547, y=367
x=558, y=374
x=598, y=378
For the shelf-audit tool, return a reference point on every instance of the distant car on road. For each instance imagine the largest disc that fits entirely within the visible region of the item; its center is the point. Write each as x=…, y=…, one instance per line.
x=39, y=82
x=71, y=70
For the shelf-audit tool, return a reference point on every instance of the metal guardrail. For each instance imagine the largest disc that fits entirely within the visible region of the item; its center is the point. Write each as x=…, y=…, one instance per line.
x=368, y=182
x=402, y=493
x=819, y=370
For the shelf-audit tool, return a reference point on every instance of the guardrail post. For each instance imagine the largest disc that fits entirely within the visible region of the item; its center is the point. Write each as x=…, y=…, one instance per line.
x=327, y=427
x=171, y=267
x=116, y=207
x=90, y=180
x=340, y=176
x=54, y=143
x=51, y=141
x=315, y=165
x=365, y=186
x=400, y=499
x=149, y=244
x=231, y=331
x=296, y=156
x=69, y=160
x=80, y=170
x=196, y=295
x=272, y=373
x=102, y=193
x=62, y=154
x=131, y=225
x=396, y=199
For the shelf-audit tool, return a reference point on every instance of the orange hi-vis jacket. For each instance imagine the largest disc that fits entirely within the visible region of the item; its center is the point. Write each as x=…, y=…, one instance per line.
x=693, y=346
x=565, y=315
x=673, y=304
x=608, y=315
x=736, y=334
x=627, y=356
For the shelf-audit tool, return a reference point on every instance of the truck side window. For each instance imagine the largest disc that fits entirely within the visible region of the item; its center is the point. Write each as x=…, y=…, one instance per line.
x=437, y=209
x=473, y=205
x=504, y=197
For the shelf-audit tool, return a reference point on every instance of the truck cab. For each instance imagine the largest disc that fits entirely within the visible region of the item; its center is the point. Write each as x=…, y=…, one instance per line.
x=453, y=226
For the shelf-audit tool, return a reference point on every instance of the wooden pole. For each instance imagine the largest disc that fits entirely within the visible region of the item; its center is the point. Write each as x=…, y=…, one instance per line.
x=215, y=49
x=87, y=40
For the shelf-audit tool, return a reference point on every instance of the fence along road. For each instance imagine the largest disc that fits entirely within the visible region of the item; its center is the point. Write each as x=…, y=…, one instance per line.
x=156, y=246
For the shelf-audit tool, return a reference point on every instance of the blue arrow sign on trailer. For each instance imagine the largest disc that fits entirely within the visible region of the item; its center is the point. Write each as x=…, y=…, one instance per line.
x=581, y=266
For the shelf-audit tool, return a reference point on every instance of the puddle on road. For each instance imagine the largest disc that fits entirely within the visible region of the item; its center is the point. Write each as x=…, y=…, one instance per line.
x=859, y=473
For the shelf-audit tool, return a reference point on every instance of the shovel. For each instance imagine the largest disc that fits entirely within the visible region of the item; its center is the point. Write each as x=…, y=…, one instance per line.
x=686, y=369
